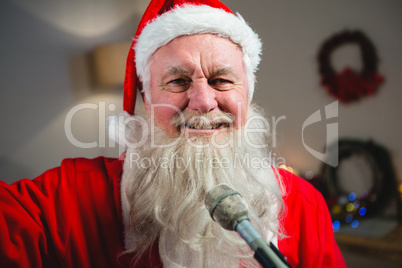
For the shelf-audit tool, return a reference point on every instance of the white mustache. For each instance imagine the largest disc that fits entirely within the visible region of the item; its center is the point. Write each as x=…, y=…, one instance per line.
x=197, y=120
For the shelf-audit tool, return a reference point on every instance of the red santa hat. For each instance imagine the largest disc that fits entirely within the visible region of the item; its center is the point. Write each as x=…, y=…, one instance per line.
x=165, y=20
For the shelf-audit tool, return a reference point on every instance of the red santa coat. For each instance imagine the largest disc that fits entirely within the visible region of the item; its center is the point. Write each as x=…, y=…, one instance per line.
x=71, y=217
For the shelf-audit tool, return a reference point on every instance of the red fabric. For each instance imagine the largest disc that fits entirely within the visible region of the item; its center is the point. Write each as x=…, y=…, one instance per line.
x=71, y=217
x=155, y=8
x=68, y=217
x=307, y=225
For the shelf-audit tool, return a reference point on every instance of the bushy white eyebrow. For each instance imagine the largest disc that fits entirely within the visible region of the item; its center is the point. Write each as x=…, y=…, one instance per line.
x=177, y=70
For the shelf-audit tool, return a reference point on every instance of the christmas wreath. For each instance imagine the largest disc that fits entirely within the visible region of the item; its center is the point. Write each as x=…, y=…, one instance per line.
x=350, y=85
x=347, y=206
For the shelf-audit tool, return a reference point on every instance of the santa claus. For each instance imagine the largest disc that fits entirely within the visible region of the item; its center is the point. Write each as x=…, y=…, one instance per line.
x=194, y=63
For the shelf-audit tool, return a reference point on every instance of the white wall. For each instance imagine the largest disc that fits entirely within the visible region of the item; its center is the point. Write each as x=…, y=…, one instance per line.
x=44, y=64
x=45, y=71
x=288, y=80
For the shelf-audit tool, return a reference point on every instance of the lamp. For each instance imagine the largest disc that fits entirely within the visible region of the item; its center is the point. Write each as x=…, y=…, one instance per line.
x=109, y=63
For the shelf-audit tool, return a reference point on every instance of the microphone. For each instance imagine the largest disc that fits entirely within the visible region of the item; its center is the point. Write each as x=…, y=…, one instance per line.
x=228, y=209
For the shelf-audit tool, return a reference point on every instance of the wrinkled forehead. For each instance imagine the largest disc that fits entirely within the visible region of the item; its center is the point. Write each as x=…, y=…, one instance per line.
x=221, y=49
x=205, y=39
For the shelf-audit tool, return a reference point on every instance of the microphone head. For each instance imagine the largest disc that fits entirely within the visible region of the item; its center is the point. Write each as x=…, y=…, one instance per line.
x=226, y=206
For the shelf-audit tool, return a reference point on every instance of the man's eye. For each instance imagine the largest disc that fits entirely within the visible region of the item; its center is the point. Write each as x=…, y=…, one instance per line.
x=178, y=85
x=219, y=81
x=179, y=81
x=221, y=84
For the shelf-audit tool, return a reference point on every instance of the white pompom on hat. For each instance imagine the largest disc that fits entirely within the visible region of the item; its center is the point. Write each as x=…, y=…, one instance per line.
x=165, y=20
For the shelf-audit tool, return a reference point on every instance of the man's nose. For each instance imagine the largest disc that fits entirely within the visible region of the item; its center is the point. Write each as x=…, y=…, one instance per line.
x=202, y=97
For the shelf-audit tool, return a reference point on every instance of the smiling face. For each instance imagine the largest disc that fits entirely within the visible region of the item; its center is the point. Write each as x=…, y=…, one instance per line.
x=200, y=75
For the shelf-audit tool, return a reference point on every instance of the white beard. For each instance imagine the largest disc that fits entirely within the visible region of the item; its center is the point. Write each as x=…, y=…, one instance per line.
x=163, y=191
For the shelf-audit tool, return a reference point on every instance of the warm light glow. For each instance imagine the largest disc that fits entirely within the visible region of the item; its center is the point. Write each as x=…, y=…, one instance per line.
x=84, y=18
x=288, y=168
x=110, y=63
x=336, y=209
x=349, y=207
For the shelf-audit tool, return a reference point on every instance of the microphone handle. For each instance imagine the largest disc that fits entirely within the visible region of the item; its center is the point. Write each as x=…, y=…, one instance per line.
x=267, y=256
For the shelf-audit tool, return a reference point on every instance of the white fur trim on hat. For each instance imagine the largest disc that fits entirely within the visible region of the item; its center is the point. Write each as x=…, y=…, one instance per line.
x=192, y=19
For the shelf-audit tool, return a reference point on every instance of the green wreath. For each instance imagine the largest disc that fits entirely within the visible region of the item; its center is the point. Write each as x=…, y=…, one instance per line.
x=376, y=198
